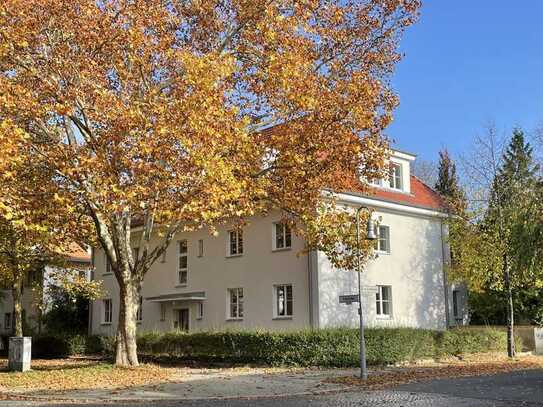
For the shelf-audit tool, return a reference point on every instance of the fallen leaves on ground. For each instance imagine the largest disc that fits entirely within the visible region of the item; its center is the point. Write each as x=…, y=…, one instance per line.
x=473, y=365
x=81, y=374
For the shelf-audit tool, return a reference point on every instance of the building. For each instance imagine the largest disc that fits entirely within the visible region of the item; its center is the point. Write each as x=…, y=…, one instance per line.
x=257, y=278
x=34, y=286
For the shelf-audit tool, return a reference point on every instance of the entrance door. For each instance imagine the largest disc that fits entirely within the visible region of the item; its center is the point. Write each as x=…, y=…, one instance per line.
x=182, y=319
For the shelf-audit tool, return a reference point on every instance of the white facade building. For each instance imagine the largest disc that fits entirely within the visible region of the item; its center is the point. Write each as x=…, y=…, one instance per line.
x=260, y=278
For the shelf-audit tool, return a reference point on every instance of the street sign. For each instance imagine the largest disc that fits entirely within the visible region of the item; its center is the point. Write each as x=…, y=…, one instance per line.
x=370, y=289
x=348, y=299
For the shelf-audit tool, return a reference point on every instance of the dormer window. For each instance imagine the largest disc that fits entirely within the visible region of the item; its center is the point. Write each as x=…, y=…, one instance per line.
x=395, y=178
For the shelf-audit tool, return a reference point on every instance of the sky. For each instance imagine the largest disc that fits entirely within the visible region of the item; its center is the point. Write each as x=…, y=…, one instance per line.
x=468, y=63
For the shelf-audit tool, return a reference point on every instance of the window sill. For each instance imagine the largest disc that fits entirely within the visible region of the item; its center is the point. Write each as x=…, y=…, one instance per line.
x=379, y=252
x=230, y=256
x=281, y=249
x=181, y=285
x=383, y=317
x=105, y=323
x=288, y=318
x=107, y=274
x=234, y=319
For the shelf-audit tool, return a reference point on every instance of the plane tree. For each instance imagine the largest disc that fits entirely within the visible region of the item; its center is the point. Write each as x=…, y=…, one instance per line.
x=160, y=114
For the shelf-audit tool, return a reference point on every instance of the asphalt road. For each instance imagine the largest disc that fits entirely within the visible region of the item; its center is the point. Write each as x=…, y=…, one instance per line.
x=523, y=388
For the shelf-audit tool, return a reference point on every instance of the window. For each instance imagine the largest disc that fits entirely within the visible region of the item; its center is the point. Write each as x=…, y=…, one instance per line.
x=108, y=311
x=162, y=311
x=282, y=236
x=235, y=247
x=108, y=266
x=383, y=301
x=201, y=248
x=199, y=310
x=163, y=257
x=139, y=310
x=135, y=254
x=396, y=176
x=378, y=182
x=382, y=244
x=182, y=270
x=455, y=304
x=235, y=297
x=283, y=300
x=7, y=320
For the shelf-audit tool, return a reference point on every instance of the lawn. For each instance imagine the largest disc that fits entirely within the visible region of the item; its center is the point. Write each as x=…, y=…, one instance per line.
x=80, y=373
x=468, y=365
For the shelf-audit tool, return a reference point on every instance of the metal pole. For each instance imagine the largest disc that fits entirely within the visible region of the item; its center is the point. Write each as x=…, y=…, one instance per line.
x=363, y=368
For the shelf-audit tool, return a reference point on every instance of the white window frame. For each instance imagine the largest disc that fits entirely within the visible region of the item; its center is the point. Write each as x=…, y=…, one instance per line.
x=379, y=301
x=201, y=248
x=162, y=312
x=286, y=232
x=237, y=316
x=456, y=305
x=199, y=310
x=182, y=270
x=396, y=176
x=276, y=301
x=235, y=243
x=107, y=265
x=139, y=310
x=379, y=240
x=107, y=311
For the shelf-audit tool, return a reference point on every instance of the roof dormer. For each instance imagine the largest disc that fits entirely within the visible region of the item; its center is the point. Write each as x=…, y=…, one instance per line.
x=399, y=178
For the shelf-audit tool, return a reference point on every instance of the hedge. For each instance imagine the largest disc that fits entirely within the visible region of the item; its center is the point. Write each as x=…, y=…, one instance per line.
x=326, y=347
x=58, y=346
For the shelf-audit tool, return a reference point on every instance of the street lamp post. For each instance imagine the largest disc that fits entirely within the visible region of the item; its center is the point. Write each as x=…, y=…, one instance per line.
x=370, y=235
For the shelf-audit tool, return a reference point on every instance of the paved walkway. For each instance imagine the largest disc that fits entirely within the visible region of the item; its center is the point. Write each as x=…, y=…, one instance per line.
x=210, y=384
x=520, y=388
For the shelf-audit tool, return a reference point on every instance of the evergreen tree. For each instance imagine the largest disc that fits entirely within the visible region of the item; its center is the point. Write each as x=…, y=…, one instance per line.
x=448, y=185
x=511, y=222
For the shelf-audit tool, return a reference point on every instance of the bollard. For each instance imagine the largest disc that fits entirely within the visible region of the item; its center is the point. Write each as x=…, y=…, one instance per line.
x=19, y=353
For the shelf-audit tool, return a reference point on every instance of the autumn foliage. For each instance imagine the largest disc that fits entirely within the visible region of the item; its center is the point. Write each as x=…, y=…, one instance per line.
x=154, y=111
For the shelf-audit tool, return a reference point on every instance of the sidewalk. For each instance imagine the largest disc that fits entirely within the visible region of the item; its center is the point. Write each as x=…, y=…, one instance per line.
x=195, y=384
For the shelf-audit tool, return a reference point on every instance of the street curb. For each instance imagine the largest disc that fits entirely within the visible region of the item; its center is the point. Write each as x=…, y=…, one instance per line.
x=101, y=401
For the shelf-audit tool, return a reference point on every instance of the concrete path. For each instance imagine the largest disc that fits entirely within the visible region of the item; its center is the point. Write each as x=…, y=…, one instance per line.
x=210, y=384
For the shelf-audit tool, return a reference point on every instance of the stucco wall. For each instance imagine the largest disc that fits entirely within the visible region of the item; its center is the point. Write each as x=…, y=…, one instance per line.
x=257, y=271
x=414, y=270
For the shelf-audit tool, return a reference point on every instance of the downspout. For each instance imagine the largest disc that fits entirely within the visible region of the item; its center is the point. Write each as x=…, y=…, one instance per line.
x=445, y=262
x=312, y=274
x=91, y=303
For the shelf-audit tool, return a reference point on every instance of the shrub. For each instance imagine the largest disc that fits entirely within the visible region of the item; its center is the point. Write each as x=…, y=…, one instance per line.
x=58, y=346
x=326, y=348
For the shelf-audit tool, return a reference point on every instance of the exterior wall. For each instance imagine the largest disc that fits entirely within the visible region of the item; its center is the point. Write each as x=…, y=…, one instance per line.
x=414, y=270
x=256, y=271
x=29, y=301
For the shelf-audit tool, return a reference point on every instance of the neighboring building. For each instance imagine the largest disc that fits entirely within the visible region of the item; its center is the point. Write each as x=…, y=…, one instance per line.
x=77, y=258
x=258, y=278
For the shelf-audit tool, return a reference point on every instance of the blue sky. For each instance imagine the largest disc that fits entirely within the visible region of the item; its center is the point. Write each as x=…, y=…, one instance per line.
x=468, y=63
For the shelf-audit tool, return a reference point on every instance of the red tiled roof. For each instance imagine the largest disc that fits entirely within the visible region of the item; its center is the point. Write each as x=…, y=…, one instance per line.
x=421, y=196
x=77, y=254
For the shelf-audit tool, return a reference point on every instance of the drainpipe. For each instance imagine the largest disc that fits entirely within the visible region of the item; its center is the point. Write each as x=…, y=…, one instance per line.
x=445, y=261
x=91, y=303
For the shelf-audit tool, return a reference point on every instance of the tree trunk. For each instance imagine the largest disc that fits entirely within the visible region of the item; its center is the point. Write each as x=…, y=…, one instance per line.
x=17, y=292
x=126, y=347
x=510, y=310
